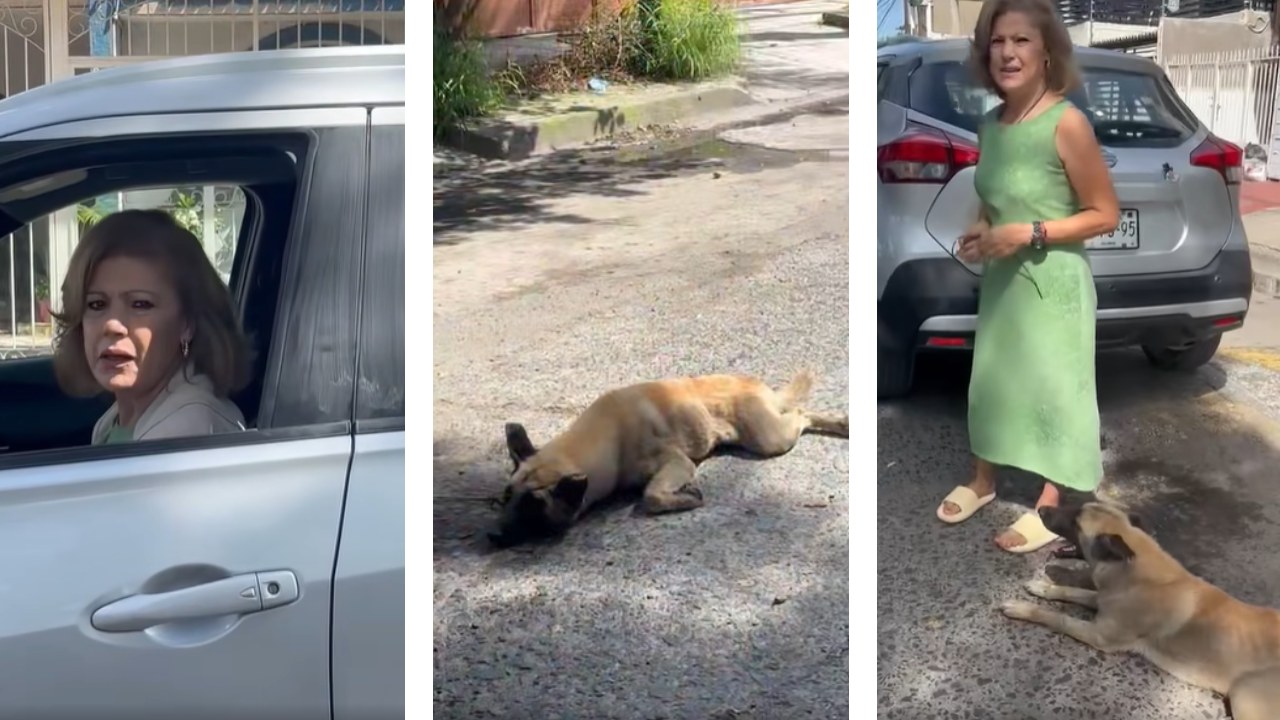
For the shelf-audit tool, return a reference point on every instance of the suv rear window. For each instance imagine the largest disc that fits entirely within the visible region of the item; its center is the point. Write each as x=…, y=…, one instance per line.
x=1126, y=108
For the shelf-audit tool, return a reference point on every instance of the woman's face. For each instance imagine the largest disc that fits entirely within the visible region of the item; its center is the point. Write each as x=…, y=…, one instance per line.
x=133, y=326
x=1017, y=54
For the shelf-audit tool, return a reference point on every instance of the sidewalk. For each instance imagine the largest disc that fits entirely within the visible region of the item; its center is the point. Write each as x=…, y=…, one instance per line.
x=790, y=61
x=1257, y=196
x=1263, y=229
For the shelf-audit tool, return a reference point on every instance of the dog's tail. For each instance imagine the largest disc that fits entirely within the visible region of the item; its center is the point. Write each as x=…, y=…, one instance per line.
x=796, y=392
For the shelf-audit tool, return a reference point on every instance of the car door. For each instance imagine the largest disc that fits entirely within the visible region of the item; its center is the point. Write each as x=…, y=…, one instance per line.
x=368, y=594
x=191, y=578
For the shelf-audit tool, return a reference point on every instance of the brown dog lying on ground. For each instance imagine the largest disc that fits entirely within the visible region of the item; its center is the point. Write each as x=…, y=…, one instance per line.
x=649, y=436
x=1148, y=603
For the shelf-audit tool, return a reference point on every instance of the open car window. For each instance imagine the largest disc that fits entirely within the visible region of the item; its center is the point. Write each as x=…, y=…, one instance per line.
x=33, y=258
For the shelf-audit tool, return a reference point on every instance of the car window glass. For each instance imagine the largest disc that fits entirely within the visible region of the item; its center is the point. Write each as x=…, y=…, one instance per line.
x=381, y=392
x=33, y=259
x=315, y=344
x=1129, y=108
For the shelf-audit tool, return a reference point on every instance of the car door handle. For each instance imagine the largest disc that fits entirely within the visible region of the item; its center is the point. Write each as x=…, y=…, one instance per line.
x=236, y=595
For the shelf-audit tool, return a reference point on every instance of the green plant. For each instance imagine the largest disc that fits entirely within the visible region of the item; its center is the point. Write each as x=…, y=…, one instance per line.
x=42, y=288
x=606, y=46
x=187, y=209
x=88, y=216
x=685, y=39
x=461, y=84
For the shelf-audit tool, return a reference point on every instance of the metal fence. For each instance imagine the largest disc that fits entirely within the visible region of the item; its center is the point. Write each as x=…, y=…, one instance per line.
x=43, y=41
x=1232, y=93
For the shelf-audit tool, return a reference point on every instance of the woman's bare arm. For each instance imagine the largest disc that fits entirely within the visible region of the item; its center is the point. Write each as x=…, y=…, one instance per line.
x=1087, y=172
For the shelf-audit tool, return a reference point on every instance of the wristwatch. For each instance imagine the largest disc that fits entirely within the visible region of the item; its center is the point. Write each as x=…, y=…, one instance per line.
x=1037, y=235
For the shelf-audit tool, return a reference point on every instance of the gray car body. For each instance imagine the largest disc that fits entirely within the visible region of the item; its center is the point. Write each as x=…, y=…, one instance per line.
x=321, y=502
x=1186, y=225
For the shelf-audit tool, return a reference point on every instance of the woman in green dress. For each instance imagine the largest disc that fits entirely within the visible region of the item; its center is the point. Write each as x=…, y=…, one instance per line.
x=1045, y=190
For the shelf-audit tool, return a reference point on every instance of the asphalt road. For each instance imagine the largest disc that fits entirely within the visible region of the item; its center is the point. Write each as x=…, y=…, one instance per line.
x=549, y=289
x=559, y=279
x=1197, y=456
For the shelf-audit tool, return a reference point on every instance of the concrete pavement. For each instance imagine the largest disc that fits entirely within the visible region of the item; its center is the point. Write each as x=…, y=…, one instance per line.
x=1263, y=230
x=549, y=289
x=790, y=61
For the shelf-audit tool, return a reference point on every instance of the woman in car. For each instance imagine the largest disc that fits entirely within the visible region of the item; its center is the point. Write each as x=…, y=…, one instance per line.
x=146, y=318
x=1045, y=190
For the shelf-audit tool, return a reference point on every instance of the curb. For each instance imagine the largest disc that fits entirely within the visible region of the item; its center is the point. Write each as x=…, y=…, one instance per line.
x=836, y=19
x=503, y=140
x=1266, y=269
x=764, y=113
x=1266, y=283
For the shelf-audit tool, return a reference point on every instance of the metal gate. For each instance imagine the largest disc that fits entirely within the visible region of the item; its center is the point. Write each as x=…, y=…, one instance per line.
x=44, y=41
x=1233, y=93
x=24, y=255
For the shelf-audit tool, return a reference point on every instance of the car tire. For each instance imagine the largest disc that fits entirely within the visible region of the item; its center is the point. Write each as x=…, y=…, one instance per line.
x=894, y=374
x=1183, y=359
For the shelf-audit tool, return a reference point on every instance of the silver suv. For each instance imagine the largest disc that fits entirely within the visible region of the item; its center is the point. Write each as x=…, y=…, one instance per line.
x=1173, y=276
x=257, y=574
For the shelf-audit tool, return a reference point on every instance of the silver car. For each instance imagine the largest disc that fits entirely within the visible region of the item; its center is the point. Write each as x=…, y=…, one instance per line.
x=1173, y=277
x=245, y=575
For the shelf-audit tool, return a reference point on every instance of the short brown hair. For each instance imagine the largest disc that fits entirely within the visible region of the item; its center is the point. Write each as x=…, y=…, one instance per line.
x=1060, y=77
x=218, y=347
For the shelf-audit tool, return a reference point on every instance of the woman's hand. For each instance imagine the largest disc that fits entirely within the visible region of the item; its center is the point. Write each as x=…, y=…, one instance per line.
x=1003, y=240
x=967, y=245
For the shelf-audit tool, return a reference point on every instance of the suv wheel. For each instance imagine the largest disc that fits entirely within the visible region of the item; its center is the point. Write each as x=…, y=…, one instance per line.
x=893, y=374
x=1183, y=358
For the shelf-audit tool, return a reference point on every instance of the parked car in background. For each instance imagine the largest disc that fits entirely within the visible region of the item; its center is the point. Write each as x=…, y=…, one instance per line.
x=1173, y=277
x=255, y=574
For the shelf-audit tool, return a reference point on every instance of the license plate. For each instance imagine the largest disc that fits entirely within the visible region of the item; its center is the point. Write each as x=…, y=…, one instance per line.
x=1124, y=237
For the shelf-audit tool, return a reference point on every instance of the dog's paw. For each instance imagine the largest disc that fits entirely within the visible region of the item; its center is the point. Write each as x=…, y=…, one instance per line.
x=1019, y=609
x=1066, y=552
x=1040, y=588
x=691, y=490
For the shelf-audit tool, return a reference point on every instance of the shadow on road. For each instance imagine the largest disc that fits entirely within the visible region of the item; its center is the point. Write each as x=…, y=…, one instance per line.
x=478, y=195
x=471, y=194
x=1199, y=469
x=735, y=610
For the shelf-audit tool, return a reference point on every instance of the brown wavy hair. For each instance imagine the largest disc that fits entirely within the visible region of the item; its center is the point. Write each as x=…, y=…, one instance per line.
x=1060, y=77
x=218, y=349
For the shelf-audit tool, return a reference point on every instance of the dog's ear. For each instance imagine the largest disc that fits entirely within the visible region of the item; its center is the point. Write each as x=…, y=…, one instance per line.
x=518, y=443
x=1111, y=548
x=570, y=490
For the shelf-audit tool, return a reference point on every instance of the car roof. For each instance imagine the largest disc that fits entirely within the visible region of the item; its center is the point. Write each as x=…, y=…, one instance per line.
x=259, y=80
x=957, y=48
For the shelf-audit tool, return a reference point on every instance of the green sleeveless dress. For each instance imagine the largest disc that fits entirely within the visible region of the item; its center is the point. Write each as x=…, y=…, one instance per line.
x=1033, y=400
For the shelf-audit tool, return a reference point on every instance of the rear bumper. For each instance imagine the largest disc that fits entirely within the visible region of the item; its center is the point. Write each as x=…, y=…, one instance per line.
x=933, y=303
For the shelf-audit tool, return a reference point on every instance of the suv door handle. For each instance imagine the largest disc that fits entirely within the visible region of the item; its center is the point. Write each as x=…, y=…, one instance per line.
x=236, y=595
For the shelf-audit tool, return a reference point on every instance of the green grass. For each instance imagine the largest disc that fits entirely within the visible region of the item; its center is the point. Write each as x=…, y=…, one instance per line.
x=670, y=40
x=686, y=39
x=461, y=83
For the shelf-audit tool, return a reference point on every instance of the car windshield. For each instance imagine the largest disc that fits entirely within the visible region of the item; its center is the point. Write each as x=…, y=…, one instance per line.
x=1126, y=108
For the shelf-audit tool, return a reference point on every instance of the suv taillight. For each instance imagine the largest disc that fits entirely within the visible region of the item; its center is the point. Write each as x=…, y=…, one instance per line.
x=925, y=155
x=1224, y=157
